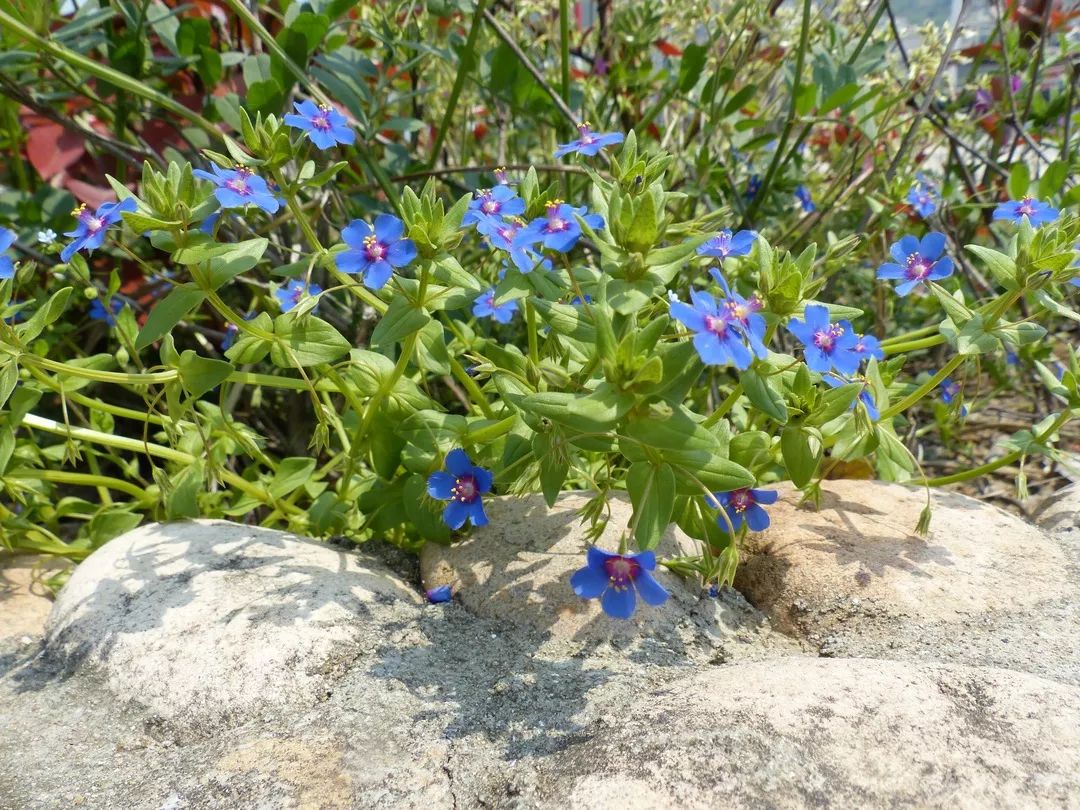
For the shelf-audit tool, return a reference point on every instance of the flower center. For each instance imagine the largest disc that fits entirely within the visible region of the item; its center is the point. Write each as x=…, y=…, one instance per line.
x=239, y=185
x=555, y=223
x=490, y=206
x=621, y=571
x=1026, y=208
x=717, y=325
x=741, y=500
x=918, y=267
x=373, y=248
x=825, y=339
x=93, y=224
x=321, y=122
x=465, y=489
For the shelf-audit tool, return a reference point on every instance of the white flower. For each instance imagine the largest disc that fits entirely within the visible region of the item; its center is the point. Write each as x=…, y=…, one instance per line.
x=47, y=236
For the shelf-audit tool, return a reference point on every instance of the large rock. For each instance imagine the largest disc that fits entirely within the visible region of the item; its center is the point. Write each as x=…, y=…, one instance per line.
x=24, y=600
x=853, y=578
x=211, y=620
x=829, y=733
x=518, y=569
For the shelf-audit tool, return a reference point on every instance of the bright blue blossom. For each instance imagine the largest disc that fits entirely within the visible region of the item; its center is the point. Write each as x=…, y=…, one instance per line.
x=485, y=307
x=7, y=239
x=294, y=292
x=462, y=484
x=743, y=312
x=725, y=244
x=240, y=187
x=922, y=198
x=1037, y=212
x=375, y=252
x=718, y=335
x=89, y=233
x=802, y=194
x=826, y=346
x=617, y=580
x=950, y=390
x=589, y=143
x=865, y=397
x=918, y=261
x=229, y=338
x=98, y=312
x=502, y=233
x=558, y=230
x=867, y=346
x=500, y=201
x=743, y=505
x=325, y=126
x=439, y=594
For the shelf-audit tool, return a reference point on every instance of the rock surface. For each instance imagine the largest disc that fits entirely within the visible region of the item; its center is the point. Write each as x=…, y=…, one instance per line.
x=820, y=732
x=208, y=665
x=518, y=568
x=24, y=600
x=212, y=620
x=982, y=588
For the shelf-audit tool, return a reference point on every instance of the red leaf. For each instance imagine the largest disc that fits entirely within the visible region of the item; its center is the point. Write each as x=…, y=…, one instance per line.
x=51, y=148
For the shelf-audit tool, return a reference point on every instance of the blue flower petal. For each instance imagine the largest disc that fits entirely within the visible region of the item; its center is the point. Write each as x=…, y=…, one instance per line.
x=649, y=589
x=458, y=463
x=618, y=604
x=589, y=582
x=440, y=485
x=455, y=514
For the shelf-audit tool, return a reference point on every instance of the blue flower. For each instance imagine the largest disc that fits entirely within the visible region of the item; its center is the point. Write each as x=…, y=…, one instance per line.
x=7, y=239
x=589, y=143
x=918, y=260
x=1037, y=212
x=89, y=233
x=742, y=504
x=724, y=244
x=98, y=312
x=802, y=194
x=439, y=594
x=240, y=187
x=500, y=201
x=294, y=292
x=718, y=337
x=501, y=234
x=867, y=398
x=753, y=186
x=827, y=346
x=922, y=199
x=617, y=580
x=501, y=177
x=462, y=484
x=375, y=252
x=867, y=346
x=950, y=390
x=743, y=312
x=229, y=338
x=485, y=307
x=558, y=230
x=325, y=126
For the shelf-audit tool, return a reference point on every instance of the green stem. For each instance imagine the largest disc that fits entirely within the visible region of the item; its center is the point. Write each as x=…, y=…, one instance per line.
x=468, y=60
x=83, y=480
x=89, y=67
x=724, y=407
x=912, y=345
x=530, y=319
x=925, y=388
x=905, y=336
x=564, y=48
x=1004, y=461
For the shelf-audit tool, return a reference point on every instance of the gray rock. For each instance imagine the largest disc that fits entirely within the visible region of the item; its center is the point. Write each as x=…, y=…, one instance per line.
x=518, y=569
x=210, y=620
x=824, y=733
x=983, y=588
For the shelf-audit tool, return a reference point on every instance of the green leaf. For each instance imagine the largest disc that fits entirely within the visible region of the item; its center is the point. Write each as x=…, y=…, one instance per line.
x=554, y=466
x=833, y=403
x=291, y=474
x=1053, y=179
x=424, y=513
x=236, y=259
x=763, y=396
x=9, y=378
x=802, y=451
x=168, y=312
x=182, y=498
x=1019, y=180
x=652, y=491
x=838, y=98
x=201, y=374
x=306, y=341
x=400, y=321
x=44, y=316
x=739, y=100
x=1001, y=267
x=693, y=60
